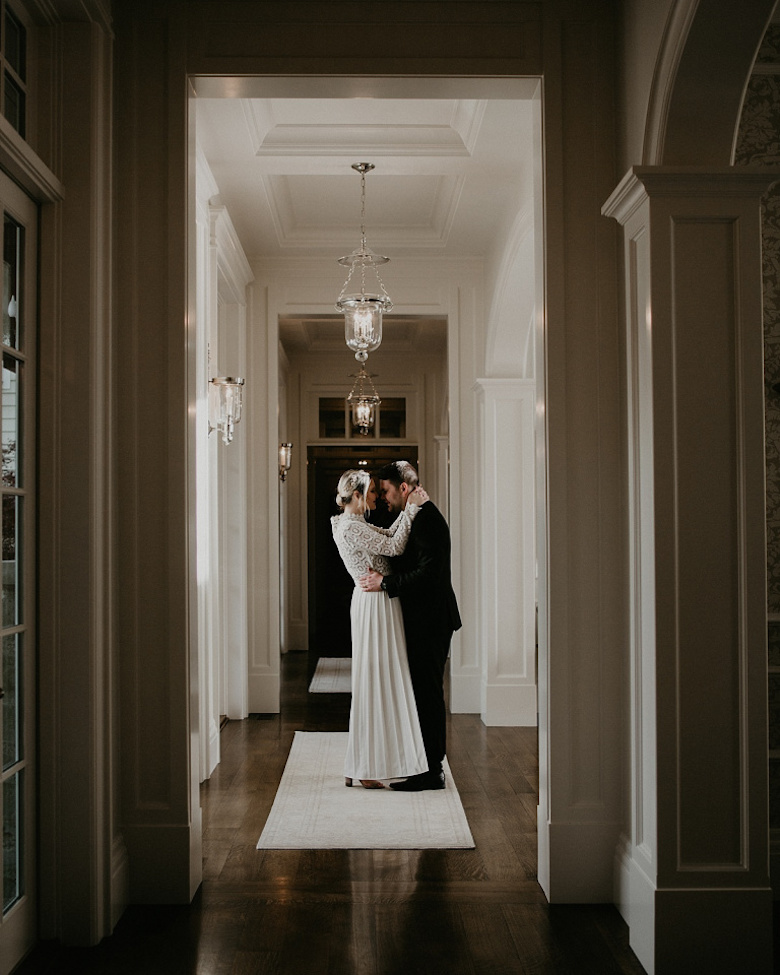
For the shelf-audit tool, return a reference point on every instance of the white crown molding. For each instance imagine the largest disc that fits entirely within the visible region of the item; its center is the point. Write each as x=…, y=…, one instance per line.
x=432, y=232
x=467, y=118
x=205, y=174
x=385, y=140
x=376, y=137
x=232, y=260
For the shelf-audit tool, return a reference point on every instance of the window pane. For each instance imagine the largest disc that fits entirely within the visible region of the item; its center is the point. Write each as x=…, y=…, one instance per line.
x=13, y=872
x=10, y=421
x=15, y=100
x=12, y=701
x=332, y=417
x=12, y=570
x=12, y=251
x=392, y=417
x=16, y=44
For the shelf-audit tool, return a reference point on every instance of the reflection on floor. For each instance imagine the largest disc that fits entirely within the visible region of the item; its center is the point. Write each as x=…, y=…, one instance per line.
x=373, y=912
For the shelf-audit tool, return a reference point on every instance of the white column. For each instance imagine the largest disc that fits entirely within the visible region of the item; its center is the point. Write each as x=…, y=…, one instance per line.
x=233, y=520
x=442, y=469
x=507, y=551
x=230, y=274
x=693, y=866
x=262, y=432
x=206, y=470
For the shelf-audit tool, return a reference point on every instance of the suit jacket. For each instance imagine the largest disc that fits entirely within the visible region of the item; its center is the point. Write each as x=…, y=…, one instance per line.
x=422, y=579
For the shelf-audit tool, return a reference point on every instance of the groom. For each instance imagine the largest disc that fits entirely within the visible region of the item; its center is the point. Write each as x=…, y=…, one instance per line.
x=421, y=579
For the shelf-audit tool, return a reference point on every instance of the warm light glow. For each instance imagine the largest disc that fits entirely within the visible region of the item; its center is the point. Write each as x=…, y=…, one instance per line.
x=363, y=310
x=363, y=415
x=228, y=407
x=362, y=326
x=363, y=401
x=285, y=459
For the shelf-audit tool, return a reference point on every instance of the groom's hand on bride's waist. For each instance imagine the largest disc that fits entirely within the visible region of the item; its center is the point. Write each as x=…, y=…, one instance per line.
x=371, y=581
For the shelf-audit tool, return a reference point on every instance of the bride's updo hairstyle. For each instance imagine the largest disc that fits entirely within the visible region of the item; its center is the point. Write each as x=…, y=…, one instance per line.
x=349, y=482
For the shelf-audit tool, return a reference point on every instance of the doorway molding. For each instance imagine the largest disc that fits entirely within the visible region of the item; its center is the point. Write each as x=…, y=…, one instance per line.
x=162, y=53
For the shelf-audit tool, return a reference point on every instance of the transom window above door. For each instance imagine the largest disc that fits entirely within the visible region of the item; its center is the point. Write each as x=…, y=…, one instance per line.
x=13, y=62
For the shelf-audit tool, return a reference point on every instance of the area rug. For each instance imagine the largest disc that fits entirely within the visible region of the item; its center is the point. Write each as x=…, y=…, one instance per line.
x=333, y=675
x=314, y=811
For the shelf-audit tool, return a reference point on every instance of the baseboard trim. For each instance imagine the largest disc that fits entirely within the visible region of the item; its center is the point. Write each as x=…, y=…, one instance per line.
x=120, y=879
x=465, y=693
x=165, y=863
x=509, y=706
x=264, y=692
x=580, y=857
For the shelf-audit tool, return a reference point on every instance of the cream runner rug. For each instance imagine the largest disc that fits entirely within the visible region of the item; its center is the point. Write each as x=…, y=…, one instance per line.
x=333, y=675
x=313, y=810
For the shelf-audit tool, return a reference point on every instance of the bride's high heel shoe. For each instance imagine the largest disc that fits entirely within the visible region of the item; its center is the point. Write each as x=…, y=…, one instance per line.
x=366, y=783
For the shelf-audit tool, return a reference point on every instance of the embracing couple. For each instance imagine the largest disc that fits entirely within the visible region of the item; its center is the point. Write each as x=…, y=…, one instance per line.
x=403, y=614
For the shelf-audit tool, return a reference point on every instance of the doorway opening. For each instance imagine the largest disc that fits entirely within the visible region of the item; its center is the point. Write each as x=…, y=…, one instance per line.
x=329, y=584
x=456, y=202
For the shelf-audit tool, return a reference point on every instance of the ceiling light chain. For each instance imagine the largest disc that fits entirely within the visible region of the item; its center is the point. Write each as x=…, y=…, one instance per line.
x=363, y=312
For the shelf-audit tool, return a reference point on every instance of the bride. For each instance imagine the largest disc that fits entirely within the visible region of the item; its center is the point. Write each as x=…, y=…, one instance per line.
x=384, y=730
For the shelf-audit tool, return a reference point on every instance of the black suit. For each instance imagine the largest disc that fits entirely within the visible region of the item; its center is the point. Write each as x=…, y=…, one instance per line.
x=421, y=579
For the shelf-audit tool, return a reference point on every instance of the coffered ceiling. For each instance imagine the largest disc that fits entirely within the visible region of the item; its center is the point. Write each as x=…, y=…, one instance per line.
x=451, y=176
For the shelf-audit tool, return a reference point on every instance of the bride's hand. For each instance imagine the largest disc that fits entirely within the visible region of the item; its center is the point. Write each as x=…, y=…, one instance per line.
x=419, y=496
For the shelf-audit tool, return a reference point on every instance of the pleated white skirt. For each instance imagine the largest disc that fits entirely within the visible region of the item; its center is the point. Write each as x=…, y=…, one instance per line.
x=384, y=730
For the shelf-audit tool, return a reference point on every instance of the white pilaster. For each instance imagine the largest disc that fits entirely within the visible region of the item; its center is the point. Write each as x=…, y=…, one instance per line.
x=697, y=846
x=232, y=275
x=507, y=552
x=442, y=468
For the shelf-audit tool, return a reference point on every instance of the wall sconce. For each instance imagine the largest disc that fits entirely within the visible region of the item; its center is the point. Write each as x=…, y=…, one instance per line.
x=285, y=459
x=229, y=401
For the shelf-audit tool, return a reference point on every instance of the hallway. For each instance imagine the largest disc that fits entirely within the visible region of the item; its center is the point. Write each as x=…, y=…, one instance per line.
x=387, y=911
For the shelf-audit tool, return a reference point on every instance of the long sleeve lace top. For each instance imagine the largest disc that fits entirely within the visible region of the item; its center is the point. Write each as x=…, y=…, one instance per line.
x=363, y=546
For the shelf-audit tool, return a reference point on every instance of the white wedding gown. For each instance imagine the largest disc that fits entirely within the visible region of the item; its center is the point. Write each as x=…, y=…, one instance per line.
x=384, y=731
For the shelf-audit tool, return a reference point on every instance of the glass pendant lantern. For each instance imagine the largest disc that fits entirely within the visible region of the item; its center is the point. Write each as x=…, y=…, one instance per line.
x=363, y=310
x=363, y=401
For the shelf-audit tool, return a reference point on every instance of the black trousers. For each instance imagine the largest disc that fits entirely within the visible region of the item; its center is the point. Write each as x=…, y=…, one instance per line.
x=427, y=659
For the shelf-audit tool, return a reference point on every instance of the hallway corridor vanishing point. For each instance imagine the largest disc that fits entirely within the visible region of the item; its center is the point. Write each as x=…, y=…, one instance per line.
x=361, y=912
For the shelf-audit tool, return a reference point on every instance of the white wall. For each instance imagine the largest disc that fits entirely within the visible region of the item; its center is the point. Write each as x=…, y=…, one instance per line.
x=453, y=290
x=221, y=281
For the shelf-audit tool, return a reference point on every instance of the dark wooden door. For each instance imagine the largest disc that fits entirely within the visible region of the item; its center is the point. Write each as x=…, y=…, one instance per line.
x=330, y=585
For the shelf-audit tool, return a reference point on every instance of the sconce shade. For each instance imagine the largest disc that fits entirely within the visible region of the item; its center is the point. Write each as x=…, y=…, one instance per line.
x=285, y=459
x=228, y=406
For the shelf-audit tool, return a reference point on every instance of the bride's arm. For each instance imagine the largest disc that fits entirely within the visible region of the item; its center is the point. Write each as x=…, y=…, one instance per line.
x=386, y=541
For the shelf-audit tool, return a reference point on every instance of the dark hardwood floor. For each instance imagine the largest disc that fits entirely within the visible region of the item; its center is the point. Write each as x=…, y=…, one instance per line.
x=361, y=912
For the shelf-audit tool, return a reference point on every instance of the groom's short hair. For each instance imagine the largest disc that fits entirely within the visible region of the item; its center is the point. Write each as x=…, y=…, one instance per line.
x=399, y=472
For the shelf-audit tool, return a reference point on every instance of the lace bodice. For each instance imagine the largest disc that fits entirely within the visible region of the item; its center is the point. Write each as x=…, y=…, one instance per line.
x=363, y=546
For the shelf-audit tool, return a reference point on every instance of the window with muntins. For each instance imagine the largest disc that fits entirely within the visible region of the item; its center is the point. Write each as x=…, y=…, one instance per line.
x=13, y=62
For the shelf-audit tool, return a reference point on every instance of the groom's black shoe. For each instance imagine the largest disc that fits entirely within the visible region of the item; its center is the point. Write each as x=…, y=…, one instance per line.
x=420, y=783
